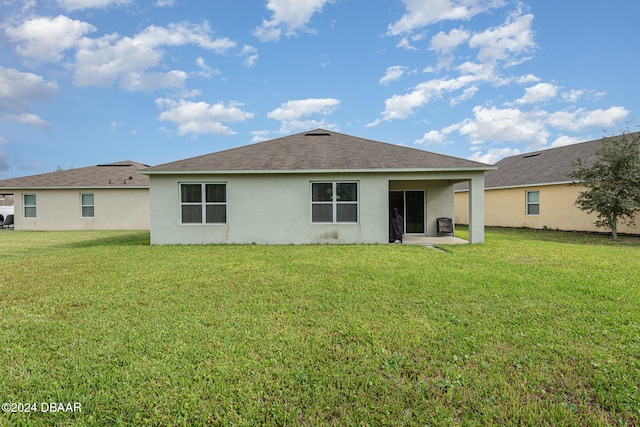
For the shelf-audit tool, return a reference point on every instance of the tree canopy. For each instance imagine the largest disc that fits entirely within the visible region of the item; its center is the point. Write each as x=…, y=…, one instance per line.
x=612, y=181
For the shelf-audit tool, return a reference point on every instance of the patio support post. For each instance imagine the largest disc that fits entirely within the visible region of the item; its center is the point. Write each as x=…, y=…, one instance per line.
x=476, y=209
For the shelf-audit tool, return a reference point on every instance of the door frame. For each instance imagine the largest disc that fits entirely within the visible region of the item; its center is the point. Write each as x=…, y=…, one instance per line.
x=404, y=210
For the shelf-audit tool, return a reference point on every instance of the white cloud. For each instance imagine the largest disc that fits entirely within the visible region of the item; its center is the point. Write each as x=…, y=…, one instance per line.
x=111, y=58
x=28, y=119
x=404, y=43
x=539, y=93
x=505, y=125
x=436, y=137
x=147, y=82
x=205, y=70
x=445, y=43
x=4, y=164
x=179, y=34
x=493, y=155
x=26, y=6
x=496, y=48
x=581, y=119
x=292, y=110
x=485, y=72
x=421, y=13
x=529, y=78
x=291, y=113
x=165, y=3
x=250, y=55
x=289, y=17
x=565, y=140
x=201, y=117
x=45, y=39
x=402, y=106
x=466, y=95
x=534, y=128
x=433, y=137
x=393, y=73
x=18, y=89
x=573, y=95
x=260, y=135
x=507, y=42
x=71, y=5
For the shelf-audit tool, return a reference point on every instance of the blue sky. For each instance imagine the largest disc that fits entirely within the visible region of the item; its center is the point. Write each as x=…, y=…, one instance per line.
x=84, y=82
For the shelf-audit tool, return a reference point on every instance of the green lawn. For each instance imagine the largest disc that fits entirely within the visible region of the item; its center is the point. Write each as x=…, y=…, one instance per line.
x=531, y=328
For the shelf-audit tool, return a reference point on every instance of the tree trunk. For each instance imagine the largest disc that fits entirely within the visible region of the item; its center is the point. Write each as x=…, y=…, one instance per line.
x=614, y=228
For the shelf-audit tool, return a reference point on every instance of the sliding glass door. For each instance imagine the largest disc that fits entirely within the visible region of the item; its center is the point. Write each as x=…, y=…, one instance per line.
x=410, y=204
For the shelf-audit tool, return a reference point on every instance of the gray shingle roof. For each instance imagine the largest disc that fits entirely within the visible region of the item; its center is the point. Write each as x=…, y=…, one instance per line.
x=542, y=167
x=108, y=175
x=317, y=150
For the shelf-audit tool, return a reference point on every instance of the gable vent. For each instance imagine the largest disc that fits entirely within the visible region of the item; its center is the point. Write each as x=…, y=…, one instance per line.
x=317, y=134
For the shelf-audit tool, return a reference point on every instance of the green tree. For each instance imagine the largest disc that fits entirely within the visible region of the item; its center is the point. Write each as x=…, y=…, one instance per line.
x=612, y=181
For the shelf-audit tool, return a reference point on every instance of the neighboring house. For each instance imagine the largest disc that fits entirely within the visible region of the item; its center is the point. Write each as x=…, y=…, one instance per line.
x=314, y=187
x=103, y=197
x=532, y=190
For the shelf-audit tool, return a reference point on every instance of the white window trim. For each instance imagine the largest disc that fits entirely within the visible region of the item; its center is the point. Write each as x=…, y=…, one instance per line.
x=24, y=206
x=82, y=206
x=334, y=203
x=528, y=203
x=204, y=204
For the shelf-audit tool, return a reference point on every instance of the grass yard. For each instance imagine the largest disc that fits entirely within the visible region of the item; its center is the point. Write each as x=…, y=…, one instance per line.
x=532, y=328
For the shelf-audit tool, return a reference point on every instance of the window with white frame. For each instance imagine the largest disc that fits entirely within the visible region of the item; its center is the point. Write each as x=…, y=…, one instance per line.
x=533, y=202
x=87, y=206
x=29, y=205
x=334, y=202
x=203, y=203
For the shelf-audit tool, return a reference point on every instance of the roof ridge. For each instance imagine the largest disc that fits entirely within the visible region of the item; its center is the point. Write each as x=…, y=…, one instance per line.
x=544, y=167
x=311, y=150
x=568, y=146
x=108, y=174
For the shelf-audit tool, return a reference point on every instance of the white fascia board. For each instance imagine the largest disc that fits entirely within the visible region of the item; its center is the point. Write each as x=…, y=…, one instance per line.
x=545, y=184
x=74, y=188
x=315, y=171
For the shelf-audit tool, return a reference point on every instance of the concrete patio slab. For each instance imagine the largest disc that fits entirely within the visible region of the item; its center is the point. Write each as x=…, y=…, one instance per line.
x=430, y=241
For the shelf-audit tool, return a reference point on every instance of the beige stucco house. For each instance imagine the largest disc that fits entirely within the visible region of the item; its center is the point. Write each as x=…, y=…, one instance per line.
x=532, y=190
x=104, y=197
x=313, y=187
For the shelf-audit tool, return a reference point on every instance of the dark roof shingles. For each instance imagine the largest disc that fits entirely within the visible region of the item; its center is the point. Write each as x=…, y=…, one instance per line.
x=540, y=167
x=549, y=166
x=108, y=175
x=317, y=150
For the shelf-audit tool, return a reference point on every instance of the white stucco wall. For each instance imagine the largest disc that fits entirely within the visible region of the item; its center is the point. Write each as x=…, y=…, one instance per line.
x=115, y=209
x=264, y=209
x=276, y=208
